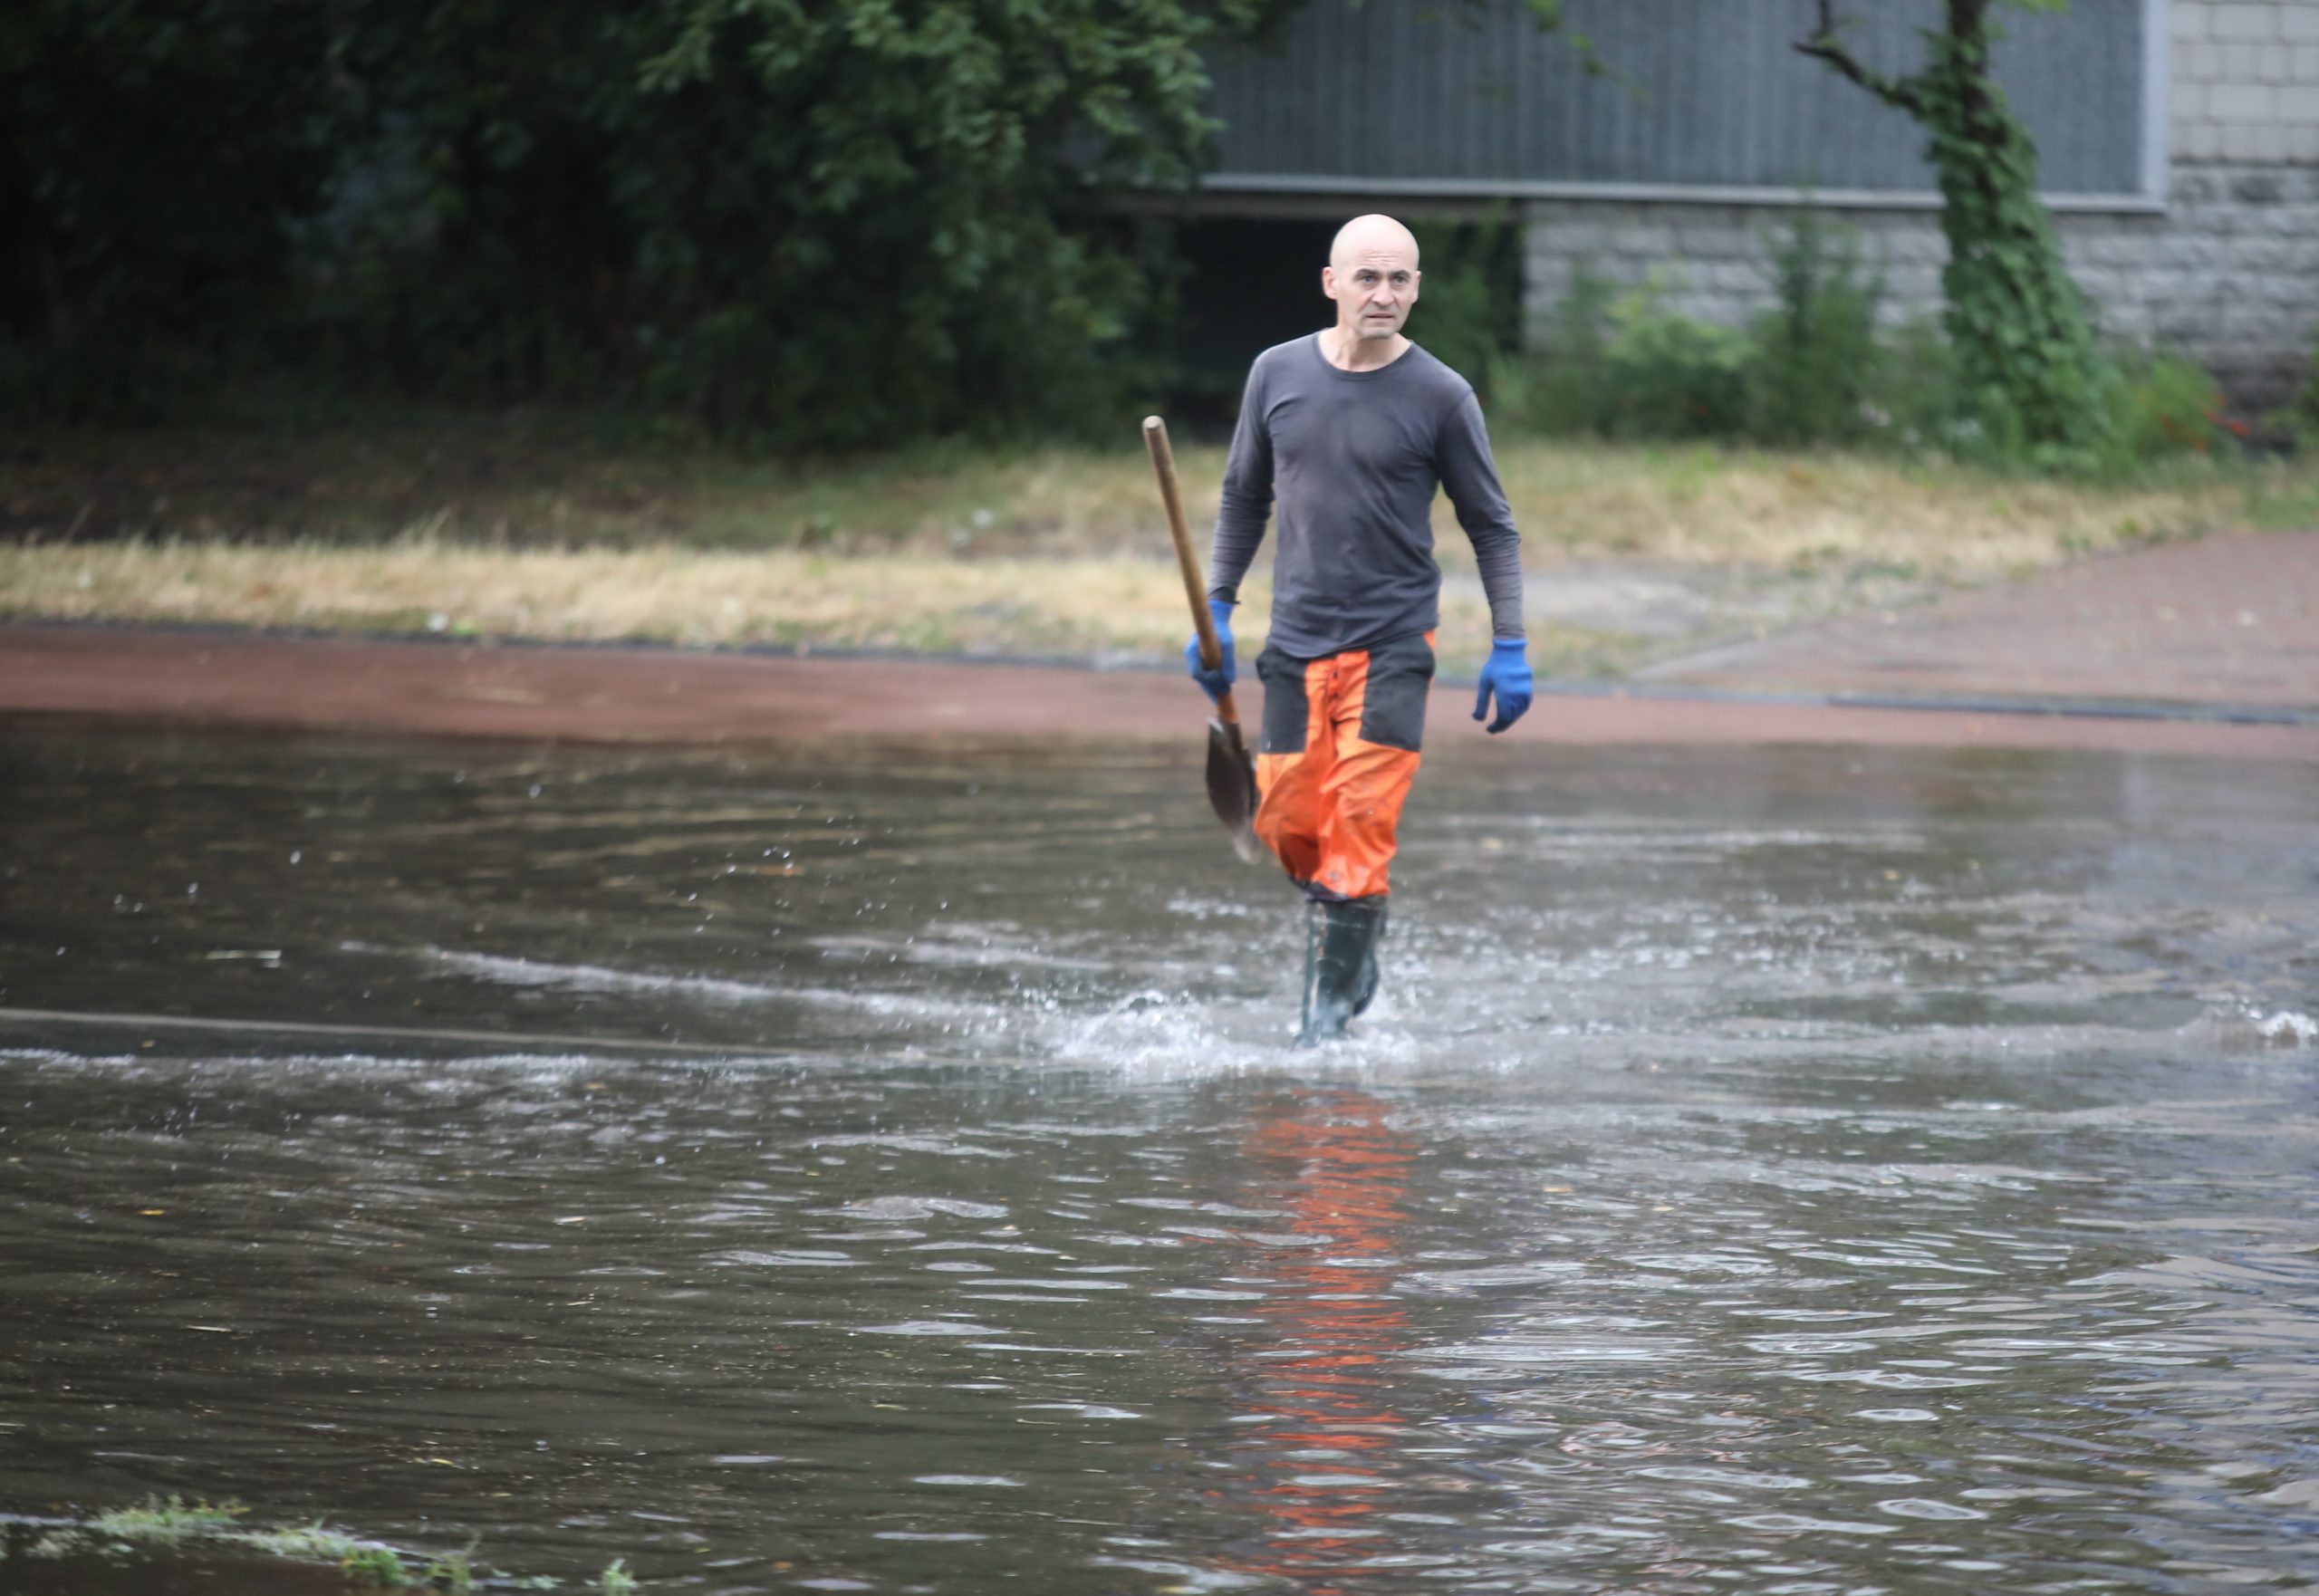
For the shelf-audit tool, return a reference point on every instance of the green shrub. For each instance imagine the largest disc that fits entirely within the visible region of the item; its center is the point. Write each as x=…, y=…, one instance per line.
x=1620, y=365
x=2164, y=405
x=1913, y=393
x=1814, y=374
x=1819, y=368
x=1671, y=376
x=1558, y=388
x=1468, y=313
x=2300, y=421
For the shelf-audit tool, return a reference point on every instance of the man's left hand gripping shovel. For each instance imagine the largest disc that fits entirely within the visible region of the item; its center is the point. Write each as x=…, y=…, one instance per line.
x=1231, y=773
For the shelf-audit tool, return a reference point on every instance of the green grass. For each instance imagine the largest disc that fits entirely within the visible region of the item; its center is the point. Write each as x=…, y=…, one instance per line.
x=171, y=1526
x=300, y=1542
x=378, y=1568
x=450, y=1573
x=161, y=1519
x=2285, y=501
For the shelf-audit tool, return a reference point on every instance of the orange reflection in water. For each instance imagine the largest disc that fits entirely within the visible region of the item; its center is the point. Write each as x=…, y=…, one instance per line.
x=1332, y=1164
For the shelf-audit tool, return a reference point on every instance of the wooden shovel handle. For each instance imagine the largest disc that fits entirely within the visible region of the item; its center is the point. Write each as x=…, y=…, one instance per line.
x=1163, y=464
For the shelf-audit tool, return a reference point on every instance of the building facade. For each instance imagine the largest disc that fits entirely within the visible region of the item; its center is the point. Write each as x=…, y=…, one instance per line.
x=2179, y=146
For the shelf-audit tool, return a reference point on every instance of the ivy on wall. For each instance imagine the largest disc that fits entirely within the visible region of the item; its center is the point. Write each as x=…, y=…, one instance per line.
x=2028, y=368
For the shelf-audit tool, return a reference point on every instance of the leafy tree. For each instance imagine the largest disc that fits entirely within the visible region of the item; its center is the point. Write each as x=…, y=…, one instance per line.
x=908, y=183
x=2024, y=351
x=825, y=221
x=150, y=151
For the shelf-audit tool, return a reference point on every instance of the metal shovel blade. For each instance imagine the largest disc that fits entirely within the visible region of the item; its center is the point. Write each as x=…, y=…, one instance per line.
x=1232, y=789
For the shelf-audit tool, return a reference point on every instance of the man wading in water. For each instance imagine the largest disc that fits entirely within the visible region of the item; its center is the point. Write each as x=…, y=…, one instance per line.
x=1350, y=430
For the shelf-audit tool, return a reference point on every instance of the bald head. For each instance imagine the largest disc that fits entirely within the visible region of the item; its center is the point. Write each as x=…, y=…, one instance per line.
x=1373, y=276
x=1374, y=233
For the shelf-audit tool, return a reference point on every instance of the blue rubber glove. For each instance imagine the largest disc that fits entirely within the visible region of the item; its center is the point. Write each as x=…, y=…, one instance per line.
x=1215, y=683
x=1508, y=674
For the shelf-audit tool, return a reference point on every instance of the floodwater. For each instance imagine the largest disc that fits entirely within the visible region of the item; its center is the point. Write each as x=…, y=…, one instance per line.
x=880, y=1168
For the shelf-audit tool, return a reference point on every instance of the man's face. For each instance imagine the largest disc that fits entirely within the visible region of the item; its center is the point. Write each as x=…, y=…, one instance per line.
x=1374, y=286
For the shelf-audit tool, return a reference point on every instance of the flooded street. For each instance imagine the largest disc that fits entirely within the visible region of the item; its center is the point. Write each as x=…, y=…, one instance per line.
x=880, y=1168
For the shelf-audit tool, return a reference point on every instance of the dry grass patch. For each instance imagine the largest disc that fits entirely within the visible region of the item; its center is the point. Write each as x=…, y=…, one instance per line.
x=500, y=484
x=1114, y=609
x=673, y=593
x=470, y=529
x=1704, y=505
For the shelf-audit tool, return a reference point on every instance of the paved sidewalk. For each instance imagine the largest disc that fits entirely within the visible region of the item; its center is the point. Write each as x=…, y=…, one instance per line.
x=2227, y=623
x=132, y=675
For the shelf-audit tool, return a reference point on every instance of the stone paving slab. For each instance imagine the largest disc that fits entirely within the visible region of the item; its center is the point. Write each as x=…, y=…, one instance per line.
x=2225, y=622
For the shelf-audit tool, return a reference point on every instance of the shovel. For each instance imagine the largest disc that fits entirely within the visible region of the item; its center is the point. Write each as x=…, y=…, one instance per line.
x=1231, y=773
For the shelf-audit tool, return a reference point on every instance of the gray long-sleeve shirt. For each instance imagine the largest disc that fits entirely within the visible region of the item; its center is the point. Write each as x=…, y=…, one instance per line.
x=1352, y=459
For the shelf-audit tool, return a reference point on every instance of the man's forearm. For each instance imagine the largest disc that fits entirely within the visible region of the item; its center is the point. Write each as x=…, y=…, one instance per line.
x=1470, y=476
x=1499, y=562
x=1240, y=532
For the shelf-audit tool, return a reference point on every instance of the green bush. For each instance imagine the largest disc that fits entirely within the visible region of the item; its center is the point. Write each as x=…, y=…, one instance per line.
x=2164, y=405
x=1558, y=389
x=1620, y=365
x=1819, y=368
x=1913, y=398
x=2300, y=421
x=830, y=223
x=1468, y=313
x=1814, y=376
x=1671, y=376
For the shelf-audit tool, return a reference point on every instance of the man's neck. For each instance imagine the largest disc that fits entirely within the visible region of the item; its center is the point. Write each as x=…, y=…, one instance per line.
x=1347, y=351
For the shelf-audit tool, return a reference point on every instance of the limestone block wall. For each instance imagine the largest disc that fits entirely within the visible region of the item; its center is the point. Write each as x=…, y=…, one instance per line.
x=2228, y=274
x=2246, y=81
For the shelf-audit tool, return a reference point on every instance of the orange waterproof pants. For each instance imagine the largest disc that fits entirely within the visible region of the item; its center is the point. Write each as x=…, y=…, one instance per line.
x=1340, y=747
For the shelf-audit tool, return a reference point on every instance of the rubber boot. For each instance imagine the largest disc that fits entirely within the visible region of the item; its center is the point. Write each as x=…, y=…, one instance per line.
x=1364, y=991
x=1339, y=966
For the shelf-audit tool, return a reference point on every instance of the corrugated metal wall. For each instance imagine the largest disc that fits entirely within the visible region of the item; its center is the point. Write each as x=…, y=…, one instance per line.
x=1702, y=92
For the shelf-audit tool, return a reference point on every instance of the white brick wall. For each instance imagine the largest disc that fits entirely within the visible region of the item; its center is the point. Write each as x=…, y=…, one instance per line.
x=2227, y=276
x=2246, y=84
